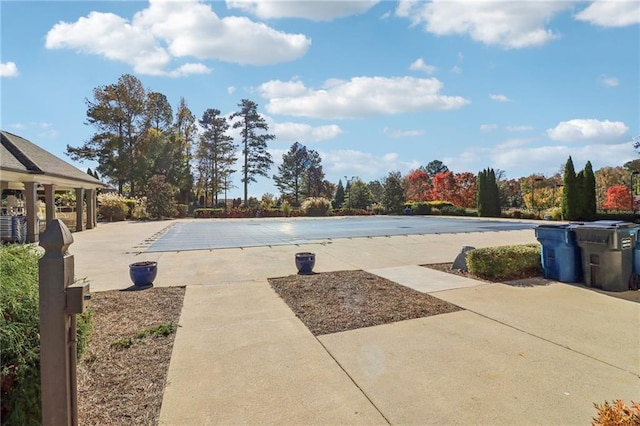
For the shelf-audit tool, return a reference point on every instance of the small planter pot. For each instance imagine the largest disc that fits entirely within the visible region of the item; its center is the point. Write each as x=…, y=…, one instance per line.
x=143, y=273
x=305, y=262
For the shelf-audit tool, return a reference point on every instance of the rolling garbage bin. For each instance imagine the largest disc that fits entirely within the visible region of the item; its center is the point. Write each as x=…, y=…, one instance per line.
x=560, y=254
x=607, y=253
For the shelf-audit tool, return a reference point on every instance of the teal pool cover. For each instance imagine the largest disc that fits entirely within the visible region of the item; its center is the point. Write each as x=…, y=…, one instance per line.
x=205, y=234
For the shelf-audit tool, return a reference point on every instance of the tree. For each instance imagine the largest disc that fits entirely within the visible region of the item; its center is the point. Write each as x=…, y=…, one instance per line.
x=256, y=159
x=589, y=187
x=161, y=197
x=443, y=187
x=418, y=186
x=117, y=112
x=464, y=194
x=570, y=192
x=313, y=176
x=617, y=197
x=338, y=199
x=185, y=131
x=376, y=188
x=290, y=173
x=606, y=177
x=487, y=196
x=393, y=193
x=359, y=195
x=434, y=167
x=216, y=152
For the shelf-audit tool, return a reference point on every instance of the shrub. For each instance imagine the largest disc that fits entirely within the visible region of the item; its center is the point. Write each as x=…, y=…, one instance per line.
x=316, y=206
x=453, y=211
x=505, y=262
x=139, y=211
x=112, y=207
x=617, y=414
x=286, y=208
x=378, y=209
x=420, y=208
x=20, y=339
x=182, y=210
x=161, y=197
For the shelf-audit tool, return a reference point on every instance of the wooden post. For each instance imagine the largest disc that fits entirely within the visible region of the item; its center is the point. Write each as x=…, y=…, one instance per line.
x=49, y=200
x=79, y=209
x=57, y=334
x=33, y=227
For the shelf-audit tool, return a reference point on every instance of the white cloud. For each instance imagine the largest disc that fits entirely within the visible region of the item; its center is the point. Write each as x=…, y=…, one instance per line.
x=518, y=128
x=312, y=10
x=231, y=90
x=611, y=13
x=396, y=134
x=510, y=24
x=166, y=31
x=304, y=133
x=488, y=127
x=358, y=97
x=548, y=159
x=589, y=130
x=499, y=98
x=188, y=69
x=365, y=165
x=456, y=70
x=608, y=81
x=419, y=65
x=8, y=69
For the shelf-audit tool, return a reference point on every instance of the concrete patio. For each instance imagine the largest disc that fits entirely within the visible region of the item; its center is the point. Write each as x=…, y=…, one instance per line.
x=541, y=354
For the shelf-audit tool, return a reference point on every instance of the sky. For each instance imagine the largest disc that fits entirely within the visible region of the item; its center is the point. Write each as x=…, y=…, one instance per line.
x=372, y=86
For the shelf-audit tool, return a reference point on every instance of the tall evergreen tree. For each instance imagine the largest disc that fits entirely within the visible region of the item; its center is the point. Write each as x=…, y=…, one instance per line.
x=256, y=159
x=185, y=131
x=117, y=112
x=289, y=179
x=570, y=192
x=434, y=167
x=313, y=176
x=393, y=192
x=216, y=152
x=338, y=199
x=581, y=203
x=487, y=195
x=589, y=185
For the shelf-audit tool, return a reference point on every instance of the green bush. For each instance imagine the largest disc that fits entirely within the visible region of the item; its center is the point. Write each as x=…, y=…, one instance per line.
x=316, y=206
x=161, y=200
x=453, y=211
x=505, y=262
x=182, y=209
x=420, y=207
x=112, y=207
x=286, y=208
x=20, y=338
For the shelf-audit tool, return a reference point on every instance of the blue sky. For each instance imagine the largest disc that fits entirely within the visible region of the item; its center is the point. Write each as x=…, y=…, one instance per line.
x=373, y=86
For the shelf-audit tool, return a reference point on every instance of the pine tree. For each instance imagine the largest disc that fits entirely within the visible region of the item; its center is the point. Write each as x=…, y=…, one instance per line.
x=569, y=193
x=256, y=159
x=590, y=203
x=338, y=199
x=580, y=196
x=487, y=195
x=216, y=153
x=291, y=172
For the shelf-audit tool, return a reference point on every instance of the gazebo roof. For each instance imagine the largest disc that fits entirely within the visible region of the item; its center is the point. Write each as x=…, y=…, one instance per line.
x=23, y=161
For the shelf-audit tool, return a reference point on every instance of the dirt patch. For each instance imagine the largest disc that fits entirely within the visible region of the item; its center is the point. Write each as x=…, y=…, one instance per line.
x=121, y=376
x=338, y=301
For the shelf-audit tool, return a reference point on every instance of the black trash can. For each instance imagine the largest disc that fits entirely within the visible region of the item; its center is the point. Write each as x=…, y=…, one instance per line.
x=607, y=253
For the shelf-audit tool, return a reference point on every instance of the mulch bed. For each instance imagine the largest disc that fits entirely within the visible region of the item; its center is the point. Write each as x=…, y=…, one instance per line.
x=121, y=376
x=339, y=301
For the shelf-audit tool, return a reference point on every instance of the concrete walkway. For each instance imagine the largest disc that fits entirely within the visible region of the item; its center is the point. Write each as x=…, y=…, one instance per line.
x=516, y=355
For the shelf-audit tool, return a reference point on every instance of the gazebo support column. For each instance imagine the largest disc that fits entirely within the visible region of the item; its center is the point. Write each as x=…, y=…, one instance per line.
x=33, y=228
x=49, y=201
x=91, y=208
x=79, y=209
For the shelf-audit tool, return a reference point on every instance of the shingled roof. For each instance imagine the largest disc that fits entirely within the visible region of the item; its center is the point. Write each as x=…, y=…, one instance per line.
x=20, y=158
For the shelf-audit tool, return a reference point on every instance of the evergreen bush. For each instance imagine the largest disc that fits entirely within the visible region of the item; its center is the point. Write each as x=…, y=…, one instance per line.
x=505, y=262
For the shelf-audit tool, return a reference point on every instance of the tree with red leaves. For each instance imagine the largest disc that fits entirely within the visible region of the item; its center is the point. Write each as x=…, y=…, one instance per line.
x=617, y=197
x=465, y=190
x=418, y=186
x=443, y=187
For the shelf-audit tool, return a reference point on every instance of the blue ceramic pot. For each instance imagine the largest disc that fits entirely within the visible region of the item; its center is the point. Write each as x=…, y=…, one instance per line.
x=143, y=273
x=305, y=262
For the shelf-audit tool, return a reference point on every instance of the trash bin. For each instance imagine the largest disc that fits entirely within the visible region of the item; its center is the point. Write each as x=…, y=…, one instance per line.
x=560, y=254
x=607, y=253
